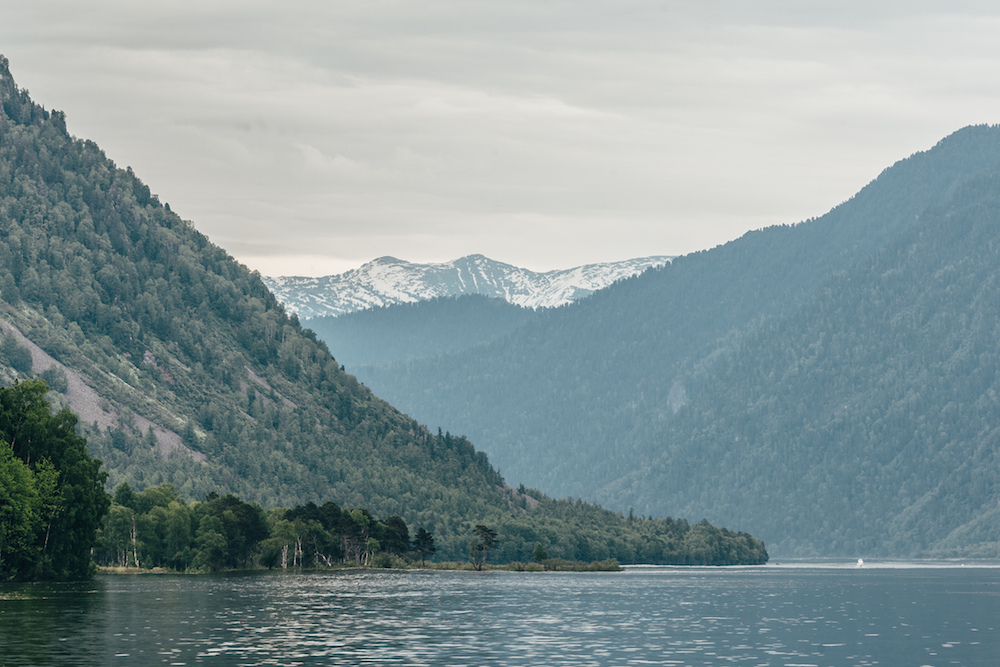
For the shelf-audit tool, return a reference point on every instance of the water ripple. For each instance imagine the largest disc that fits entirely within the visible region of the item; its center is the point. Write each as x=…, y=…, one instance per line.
x=794, y=617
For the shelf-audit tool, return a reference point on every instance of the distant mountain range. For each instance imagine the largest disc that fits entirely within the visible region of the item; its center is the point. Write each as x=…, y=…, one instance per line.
x=388, y=281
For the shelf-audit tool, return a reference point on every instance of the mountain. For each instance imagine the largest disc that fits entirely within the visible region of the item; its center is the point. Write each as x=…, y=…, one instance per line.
x=580, y=399
x=387, y=281
x=186, y=370
x=408, y=331
x=867, y=421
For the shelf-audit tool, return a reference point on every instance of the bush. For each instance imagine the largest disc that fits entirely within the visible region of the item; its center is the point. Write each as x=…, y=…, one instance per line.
x=16, y=354
x=55, y=377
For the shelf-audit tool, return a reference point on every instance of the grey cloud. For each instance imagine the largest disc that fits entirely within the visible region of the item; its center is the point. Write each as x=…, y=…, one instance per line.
x=547, y=134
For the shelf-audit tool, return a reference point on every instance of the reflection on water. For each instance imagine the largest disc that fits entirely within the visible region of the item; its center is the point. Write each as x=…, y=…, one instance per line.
x=788, y=616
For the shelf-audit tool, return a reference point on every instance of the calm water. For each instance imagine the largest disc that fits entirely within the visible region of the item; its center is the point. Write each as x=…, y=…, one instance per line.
x=775, y=615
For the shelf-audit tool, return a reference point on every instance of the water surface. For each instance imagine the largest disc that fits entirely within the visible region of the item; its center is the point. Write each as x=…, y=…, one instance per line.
x=791, y=615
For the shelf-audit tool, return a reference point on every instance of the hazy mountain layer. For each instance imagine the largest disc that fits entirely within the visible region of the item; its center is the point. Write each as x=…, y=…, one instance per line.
x=412, y=330
x=387, y=281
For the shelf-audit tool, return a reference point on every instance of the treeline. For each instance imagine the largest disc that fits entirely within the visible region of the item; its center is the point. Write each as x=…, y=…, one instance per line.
x=156, y=528
x=582, y=531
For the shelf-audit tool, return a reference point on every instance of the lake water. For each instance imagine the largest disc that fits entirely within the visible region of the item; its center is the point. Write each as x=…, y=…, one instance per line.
x=782, y=615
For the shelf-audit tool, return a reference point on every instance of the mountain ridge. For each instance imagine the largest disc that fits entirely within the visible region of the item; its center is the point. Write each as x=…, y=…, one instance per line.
x=892, y=363
x=387, y=281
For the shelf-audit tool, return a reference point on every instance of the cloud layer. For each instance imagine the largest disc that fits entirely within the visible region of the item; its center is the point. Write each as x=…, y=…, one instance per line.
x=309, y=137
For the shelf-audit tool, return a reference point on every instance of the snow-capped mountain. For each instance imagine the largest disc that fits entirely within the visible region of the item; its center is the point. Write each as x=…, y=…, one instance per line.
x=386, y=281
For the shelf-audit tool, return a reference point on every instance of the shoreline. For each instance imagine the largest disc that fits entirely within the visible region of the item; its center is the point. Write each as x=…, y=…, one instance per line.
x=553, y=565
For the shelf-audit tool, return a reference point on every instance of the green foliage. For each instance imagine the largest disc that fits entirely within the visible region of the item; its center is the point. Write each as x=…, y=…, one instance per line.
x=55, y=377
x=20, y=515
x=423, y=544
x=485, y=541
x=579, y=531
x=51, y=489
x=158, y=529
x=15, y=354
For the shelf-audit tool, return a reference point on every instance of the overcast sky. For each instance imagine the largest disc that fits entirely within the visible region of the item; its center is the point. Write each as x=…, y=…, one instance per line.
x=309, y=137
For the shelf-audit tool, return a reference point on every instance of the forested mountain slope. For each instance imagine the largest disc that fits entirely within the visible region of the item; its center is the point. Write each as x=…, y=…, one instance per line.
x=184, y=346
x=867, y=422
x=569, y=401
x=188, y=371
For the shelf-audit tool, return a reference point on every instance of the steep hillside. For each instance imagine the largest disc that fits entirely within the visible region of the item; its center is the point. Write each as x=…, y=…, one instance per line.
x=570, y=401
x=168, y=345
x=186, y=370
x=423, y=329
x=867, y=422
x=387, y=281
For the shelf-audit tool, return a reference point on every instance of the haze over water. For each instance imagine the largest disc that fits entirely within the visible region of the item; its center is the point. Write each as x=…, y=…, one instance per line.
x=793, y=615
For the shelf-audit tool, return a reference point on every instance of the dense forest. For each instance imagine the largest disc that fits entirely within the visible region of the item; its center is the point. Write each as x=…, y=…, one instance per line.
x=186, y=371
x=578, y=398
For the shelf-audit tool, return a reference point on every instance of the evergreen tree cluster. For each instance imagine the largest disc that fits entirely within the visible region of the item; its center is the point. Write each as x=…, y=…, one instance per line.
x=156, y=528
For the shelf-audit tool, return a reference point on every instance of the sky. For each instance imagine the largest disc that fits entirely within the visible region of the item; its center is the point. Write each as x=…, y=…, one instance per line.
x=308, y=137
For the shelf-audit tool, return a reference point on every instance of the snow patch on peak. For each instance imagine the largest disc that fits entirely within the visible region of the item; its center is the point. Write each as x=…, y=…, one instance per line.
x=387, y=281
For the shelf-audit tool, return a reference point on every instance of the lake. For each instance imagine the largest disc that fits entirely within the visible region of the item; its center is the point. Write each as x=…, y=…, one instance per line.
x=783, y=615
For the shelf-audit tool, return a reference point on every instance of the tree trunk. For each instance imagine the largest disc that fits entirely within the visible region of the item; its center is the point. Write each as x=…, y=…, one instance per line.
x=135, y=550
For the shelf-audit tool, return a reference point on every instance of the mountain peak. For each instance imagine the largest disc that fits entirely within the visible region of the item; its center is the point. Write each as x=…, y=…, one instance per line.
x=386, y=259
x=387, y=281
